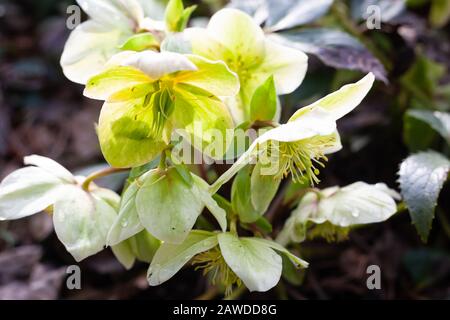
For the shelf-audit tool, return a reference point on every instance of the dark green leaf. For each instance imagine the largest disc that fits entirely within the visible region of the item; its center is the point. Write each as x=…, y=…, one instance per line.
x=286, y=14
x=422, y=176
x=439, y=121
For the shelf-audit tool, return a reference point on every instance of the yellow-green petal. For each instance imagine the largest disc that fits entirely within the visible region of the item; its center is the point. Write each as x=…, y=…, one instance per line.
x=212, y=76
x=117, y=80
x=125, y=134
x=343, y=101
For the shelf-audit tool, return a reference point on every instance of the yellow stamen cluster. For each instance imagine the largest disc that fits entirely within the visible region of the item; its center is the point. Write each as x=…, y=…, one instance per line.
x=213, y=264
x=301, y=158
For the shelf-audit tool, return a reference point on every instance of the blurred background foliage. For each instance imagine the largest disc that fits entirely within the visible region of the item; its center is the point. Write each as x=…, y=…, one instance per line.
x=407, y=112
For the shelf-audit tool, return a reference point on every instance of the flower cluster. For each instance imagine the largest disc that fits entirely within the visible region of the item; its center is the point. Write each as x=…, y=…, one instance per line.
x=157, y=77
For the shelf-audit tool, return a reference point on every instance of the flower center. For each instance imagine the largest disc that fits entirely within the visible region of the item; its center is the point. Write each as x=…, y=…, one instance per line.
x=163, y=105
x=214, y=265
x=301, y=158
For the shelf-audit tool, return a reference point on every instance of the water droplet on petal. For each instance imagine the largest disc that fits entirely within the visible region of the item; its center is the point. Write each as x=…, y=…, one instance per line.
x=124, y=223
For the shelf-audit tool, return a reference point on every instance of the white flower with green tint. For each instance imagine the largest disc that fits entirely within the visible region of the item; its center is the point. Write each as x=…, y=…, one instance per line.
x=81, y=219
x=229, y=259
x=148, y=95
x=356, y=204
x=232, y=36
x=165, y=203
x=299, y=147
x=111, y=23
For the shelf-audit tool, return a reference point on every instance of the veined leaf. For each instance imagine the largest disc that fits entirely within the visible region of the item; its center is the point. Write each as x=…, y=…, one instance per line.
x=334, y=48
x=422, y=176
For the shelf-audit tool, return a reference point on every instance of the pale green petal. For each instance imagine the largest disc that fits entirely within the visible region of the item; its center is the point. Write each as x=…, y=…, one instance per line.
x=167, y=206
x=125, y=134
x=212, y=76
x=51, y=166
x=115, y=79
x=314, y=123
x=263, y=189
x=202, y=192
x=256, y=264
x=107, y=195
x=205, y=45
x=358, y=203
x=127, y=223
x=158, y=64
x=144, y=246
x=81, y=222
x=170, y=258
x=28, y=191
x=288, y=67
x=343, y=101
x=204, y=120
x=88, y=49
x=308, y=208
x=240, y=34
x=299, y=263
x=124, y=254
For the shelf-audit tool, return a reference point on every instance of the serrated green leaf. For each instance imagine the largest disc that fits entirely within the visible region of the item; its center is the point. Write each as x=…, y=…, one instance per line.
x=422, y=176
x=264, y=101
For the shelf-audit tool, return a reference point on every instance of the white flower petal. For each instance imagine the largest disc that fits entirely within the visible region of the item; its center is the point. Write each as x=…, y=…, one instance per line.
x=314, y=123
x=358, y=203
x=28, y=191
x=343, y=101
x=51, y=166
x=288, y=67
x=170, y=258
x=81, y=222
x=158, y=64
x=239, y=33
x=88, y=49
x=117, y=14
x=127, y=223
x=255, y=263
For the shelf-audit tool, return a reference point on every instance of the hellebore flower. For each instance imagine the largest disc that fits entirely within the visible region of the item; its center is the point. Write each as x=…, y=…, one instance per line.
x=111, y=22
x=166, y=204
x=150, y=94
x=254, y=261
x=81, y=218
x=356, y=204
x=233, y=37
x=300, y=146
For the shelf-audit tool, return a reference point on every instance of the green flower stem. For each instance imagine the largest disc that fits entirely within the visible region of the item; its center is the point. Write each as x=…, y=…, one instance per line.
x=101, y=174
